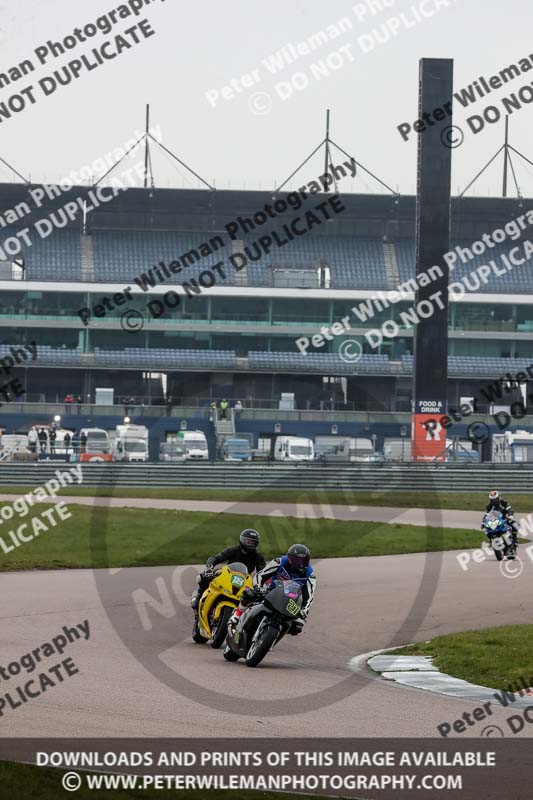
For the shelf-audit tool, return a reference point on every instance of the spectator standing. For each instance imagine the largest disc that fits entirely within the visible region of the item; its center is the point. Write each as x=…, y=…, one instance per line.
x=169, y=405
x=237, y=409
x=83, y=443
x=79, y=401
x=42, y=440
x=66, y=441
x=223, y=409
x=52, y=438
x=75, y=442
x=32, y=440
x=68, y=402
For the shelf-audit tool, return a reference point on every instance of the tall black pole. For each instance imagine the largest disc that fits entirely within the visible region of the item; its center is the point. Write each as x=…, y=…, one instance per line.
x=146, y=146
x=326, y=165
x=505, y=155
x=432, y=243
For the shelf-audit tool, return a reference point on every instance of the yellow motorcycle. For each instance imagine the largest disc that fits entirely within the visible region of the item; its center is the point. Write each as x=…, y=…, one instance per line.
x=218, y=603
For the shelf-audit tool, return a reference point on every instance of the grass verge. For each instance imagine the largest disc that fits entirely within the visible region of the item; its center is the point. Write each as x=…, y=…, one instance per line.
x=466, y=501
x=43, y=783
x=494, y=657
x=148, y=537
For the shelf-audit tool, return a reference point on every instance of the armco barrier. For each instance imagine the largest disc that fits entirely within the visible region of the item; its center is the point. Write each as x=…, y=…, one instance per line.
x=516, y=478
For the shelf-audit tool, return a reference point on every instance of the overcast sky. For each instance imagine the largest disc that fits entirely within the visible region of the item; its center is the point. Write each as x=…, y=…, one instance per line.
x=198, y=48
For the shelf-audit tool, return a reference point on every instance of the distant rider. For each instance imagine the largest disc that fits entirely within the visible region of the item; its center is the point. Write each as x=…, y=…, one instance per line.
x=294, y=566
x=497, y=503
x=246, y=552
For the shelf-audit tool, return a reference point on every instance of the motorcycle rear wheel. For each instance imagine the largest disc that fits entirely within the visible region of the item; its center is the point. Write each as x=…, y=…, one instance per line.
x=221, y=628
x=260, y=648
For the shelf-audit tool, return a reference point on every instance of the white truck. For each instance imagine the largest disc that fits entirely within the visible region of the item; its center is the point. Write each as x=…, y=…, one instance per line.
x=130, y=443
x=293, y=448
x=195, y=444
x=511, y=447
x=97, y=441
x=235, y=448
x=348, y=449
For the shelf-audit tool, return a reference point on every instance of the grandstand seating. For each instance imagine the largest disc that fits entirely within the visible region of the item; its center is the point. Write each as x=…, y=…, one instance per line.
x=476, y=365
x=139, y=358
x=58, y=257
x=322, y=363
x=354, y=262
x=317, y=362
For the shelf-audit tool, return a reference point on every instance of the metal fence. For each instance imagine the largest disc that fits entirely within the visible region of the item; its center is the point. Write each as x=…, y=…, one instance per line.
x=517, y=478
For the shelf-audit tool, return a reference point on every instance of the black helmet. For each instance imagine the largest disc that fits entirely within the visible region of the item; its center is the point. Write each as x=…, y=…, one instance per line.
x=299, y=557
x=249, y=539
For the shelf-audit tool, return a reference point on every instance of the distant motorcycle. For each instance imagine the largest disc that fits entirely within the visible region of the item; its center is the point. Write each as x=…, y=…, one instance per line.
x=218, y=603
x=264, y=624
x=499, y=534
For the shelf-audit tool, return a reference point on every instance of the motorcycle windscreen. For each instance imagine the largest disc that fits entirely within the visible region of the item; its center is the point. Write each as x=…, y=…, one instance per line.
x=493, y=521
x=285, y=597
x=239, y=573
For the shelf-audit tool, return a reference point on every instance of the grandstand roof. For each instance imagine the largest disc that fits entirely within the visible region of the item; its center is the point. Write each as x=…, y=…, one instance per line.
x=197, y=209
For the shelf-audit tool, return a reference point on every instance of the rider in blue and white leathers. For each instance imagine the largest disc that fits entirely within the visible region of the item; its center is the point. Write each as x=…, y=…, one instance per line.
x=294, y=566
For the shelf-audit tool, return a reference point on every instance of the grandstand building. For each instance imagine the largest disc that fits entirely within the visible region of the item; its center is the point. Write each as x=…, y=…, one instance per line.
x=235, y=337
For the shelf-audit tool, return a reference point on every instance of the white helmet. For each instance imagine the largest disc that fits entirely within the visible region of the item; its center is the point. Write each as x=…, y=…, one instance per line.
x=494, y=497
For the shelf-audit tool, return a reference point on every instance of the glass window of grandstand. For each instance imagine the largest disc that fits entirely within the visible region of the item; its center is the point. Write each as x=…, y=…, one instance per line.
x=296, y=311
x=195, y=308
x=178, y=340
x=137, y=302
x=366, y=308
x=62, y=339
x=524, y=319
x=524, y=350
x=482, y=317
x=482, y=348
x=253, y=310
x=41, y=304
x=242, y=343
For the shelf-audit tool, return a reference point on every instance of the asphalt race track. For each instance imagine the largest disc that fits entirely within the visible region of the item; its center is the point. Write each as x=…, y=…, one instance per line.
x=305, y=687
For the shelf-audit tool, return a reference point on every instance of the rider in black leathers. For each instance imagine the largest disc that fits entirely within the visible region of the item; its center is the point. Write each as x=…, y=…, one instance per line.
x=246, y=552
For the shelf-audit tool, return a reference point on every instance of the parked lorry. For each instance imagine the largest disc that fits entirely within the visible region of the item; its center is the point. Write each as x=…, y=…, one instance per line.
x=293, y=448
x=236, y=449
x=172, y=451
x=130, y=443
x=512, y=447
x=97, y=441
x=195, y=444
x=347, y=449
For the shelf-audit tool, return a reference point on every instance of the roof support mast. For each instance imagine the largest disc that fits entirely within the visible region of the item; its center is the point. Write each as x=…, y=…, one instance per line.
x=328, y=161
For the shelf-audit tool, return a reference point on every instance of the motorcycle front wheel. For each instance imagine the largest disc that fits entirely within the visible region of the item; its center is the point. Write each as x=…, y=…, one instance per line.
x=220, y=630
x=196, y=635
x=261, y=646
x=229, y=655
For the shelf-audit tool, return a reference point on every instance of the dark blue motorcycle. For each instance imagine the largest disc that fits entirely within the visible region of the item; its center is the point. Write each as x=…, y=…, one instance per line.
x=500, y=535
